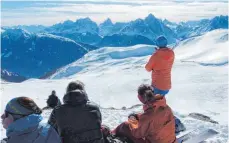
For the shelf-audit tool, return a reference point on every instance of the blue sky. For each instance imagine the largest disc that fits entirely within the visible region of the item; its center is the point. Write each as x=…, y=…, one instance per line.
x=51, y=12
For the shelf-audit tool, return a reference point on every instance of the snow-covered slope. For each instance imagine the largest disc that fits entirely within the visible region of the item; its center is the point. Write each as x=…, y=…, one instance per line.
x=104, y=58
x=209, y=49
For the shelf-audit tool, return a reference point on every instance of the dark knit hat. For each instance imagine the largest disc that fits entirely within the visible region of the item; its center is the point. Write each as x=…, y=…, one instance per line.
x=22, y=106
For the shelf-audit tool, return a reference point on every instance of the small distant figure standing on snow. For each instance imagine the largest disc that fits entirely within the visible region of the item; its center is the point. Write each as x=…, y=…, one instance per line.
x=53, y=100
x=160, y=63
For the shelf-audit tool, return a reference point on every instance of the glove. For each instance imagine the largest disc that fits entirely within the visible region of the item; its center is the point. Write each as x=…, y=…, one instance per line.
x=133, y=123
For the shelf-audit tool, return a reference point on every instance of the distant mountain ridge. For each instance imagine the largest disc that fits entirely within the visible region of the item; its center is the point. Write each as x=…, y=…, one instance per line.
x=189, y=29
x=86, y=31
x=33, y=55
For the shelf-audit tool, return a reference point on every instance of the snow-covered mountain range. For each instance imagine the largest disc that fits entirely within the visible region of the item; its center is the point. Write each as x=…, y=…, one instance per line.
x=47, y=47
x=87, y=31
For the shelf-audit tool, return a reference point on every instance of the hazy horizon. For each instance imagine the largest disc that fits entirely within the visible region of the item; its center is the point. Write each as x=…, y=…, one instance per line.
x=48, y=13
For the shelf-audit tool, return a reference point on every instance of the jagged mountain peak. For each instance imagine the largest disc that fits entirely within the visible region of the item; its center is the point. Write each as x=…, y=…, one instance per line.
x=68, y=22
x=151, y=17
x=107, y=22
x=87, y=19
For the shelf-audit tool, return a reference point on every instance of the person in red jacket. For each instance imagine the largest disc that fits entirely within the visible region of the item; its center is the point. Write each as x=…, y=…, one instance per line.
x=155, y=125
x=160, y=64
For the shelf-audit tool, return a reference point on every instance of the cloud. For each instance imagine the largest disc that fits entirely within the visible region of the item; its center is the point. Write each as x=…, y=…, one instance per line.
x=48, y=13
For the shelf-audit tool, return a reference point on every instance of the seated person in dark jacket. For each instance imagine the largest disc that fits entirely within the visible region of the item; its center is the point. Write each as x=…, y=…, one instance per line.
x=77, y=120
x=53, y=100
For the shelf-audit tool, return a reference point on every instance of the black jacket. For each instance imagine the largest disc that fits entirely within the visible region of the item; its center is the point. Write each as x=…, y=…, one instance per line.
x=77, y=120
x=53, y=101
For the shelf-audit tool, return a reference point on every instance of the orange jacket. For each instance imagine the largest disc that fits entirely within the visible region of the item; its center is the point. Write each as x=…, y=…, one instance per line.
x=156, y=124
x=160, y=63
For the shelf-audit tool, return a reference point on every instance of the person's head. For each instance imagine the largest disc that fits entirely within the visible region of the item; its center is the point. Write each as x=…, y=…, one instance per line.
x=75, y=97
x=18, y=108
x=145, y=93
x=75, y=85
x=161, y=41
x=53, y=92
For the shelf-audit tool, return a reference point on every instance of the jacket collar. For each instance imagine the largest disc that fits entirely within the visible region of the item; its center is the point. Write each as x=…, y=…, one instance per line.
x=163, y=48
x=155, y=104
x=24, y=124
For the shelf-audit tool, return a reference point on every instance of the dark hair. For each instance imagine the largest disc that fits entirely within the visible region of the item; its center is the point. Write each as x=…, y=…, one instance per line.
x=143, y=88
x=74, y=86
x=53, y=92
x=146, y=92
x=29, y=104
x=149, y=95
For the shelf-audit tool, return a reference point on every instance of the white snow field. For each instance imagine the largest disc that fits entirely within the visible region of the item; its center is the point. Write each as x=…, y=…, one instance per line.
x=112, y=75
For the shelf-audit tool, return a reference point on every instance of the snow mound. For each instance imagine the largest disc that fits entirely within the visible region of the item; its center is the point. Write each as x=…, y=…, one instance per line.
x=104, y=58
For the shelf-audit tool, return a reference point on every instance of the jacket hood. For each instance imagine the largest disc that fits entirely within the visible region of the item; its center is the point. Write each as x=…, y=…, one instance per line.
x=75, y=97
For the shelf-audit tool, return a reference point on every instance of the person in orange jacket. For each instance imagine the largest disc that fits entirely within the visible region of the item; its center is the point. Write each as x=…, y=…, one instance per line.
x=160, y=63
x=155, y=125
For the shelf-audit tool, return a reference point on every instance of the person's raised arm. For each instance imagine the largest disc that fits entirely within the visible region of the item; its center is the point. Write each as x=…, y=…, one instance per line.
x=151, y=63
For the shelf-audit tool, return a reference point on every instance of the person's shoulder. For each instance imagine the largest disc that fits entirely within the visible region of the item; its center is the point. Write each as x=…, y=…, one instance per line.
x=52, y=96
x=60, y=107
x=169, y=49
x=146, y=116
x=92, y=105
x=166, y=51
x=44, y=127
